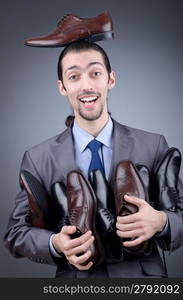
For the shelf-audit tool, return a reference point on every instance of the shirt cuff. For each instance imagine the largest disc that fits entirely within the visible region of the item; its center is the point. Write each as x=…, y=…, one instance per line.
x=165, y=230
x=53, y=251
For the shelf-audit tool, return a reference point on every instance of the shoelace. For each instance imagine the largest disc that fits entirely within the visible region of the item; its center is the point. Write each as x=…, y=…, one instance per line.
x=73, y=216
x=176, y=197
x=64, y=222
x=28, y=217
x=175, y=193
x=63, y=19
x=108, y=215
x=121, y=197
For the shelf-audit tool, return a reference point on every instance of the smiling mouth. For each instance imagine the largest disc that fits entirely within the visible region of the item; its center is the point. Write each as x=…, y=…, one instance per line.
x=88, y=99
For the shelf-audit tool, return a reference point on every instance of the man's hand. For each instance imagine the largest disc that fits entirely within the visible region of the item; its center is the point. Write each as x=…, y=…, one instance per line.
x=71, y=248
x=141, y=225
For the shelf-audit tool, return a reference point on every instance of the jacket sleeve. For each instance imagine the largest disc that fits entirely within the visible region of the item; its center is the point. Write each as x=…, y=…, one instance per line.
x=172, y=238
x=21, y=239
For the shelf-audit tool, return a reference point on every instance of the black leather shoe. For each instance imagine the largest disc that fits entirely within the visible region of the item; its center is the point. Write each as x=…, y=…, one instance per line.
x=106, y=220
x=166, y=180
x=128, y=181
x=59, y=198
x=39, y=213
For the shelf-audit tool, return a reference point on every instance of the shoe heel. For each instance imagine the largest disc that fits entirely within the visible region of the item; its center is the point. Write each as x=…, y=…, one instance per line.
x=101, y=36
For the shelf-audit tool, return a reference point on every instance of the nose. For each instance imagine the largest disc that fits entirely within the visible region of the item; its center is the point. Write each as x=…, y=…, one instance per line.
x=86, y=83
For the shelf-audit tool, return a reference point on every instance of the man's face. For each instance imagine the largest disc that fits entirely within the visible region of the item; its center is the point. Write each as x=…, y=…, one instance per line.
x=86, y=83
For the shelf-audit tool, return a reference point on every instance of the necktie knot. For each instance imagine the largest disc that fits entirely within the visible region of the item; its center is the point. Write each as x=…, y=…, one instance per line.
x=94, y=145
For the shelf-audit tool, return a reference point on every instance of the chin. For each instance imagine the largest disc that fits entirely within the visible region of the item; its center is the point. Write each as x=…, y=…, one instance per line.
x=91, y=116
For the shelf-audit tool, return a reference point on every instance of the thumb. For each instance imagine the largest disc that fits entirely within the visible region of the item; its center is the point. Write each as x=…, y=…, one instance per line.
x=134, y=200
x=68, y=229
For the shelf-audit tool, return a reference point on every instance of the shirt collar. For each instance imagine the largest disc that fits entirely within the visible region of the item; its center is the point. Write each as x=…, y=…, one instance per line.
x=105, y=136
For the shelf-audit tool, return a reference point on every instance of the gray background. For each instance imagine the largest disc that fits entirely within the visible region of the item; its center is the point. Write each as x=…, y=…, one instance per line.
x=147, y=57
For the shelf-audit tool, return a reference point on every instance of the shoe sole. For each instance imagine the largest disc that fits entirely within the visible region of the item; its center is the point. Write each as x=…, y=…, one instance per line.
x=90, y=38
x=37, y=195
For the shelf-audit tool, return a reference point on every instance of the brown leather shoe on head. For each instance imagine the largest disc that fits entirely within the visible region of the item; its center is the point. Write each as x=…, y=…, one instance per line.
x=72, y=28
x=82, y=206
x=128, y=181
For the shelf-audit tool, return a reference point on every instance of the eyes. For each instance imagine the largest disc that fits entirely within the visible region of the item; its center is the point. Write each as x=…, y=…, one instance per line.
x=77, y=75
x=73, y=77
x=97, y=74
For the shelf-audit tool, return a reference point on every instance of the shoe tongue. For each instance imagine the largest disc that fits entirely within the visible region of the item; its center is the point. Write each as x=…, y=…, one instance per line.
x=128, y=209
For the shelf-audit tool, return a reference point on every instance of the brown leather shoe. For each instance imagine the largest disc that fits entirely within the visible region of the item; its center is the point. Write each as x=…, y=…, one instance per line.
x=82, y=206
x=128, y=181
x=71, y=28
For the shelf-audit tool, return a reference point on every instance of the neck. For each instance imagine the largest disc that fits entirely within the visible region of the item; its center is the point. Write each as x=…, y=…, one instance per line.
x=93, y=127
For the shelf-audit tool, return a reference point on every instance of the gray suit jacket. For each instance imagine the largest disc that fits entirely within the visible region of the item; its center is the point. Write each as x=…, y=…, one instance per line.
x=49, y=162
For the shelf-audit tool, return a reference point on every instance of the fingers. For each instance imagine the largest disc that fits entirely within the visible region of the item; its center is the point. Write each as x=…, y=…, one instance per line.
x=140, y=203
x=72, y=243
x=128, y=219
x=128, y=227
x=135, y=216
x=135, y=242
x=133, y=230
x=68, y=229
x=82, y=248
x=85, y=267
x=76, y=250
x=129, y=234
x=79, y=261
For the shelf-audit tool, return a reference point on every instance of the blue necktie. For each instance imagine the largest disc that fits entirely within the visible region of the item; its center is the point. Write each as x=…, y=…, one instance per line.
x=95, y=163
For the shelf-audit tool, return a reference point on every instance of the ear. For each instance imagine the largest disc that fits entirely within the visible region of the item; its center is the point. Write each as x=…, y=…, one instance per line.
x=112, y=80
x=61, y=88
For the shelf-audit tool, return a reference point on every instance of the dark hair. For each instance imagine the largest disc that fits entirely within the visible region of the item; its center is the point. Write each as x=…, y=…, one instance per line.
x=69, y=120
x=79, y=46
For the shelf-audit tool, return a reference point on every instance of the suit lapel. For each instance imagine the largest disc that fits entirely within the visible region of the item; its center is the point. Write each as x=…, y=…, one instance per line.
x=122, y=147
x=66, y=155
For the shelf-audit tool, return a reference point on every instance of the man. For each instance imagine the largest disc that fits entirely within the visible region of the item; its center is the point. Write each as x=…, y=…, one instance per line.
x=85, y=78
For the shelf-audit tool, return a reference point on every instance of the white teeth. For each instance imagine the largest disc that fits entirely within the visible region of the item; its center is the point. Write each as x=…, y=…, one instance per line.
x=88, y=99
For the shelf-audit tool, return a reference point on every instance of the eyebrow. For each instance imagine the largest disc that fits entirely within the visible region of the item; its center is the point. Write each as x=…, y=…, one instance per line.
x=89, y=65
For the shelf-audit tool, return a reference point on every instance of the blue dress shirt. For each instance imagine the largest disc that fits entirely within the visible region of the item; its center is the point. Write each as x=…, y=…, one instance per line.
x=83, y=154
